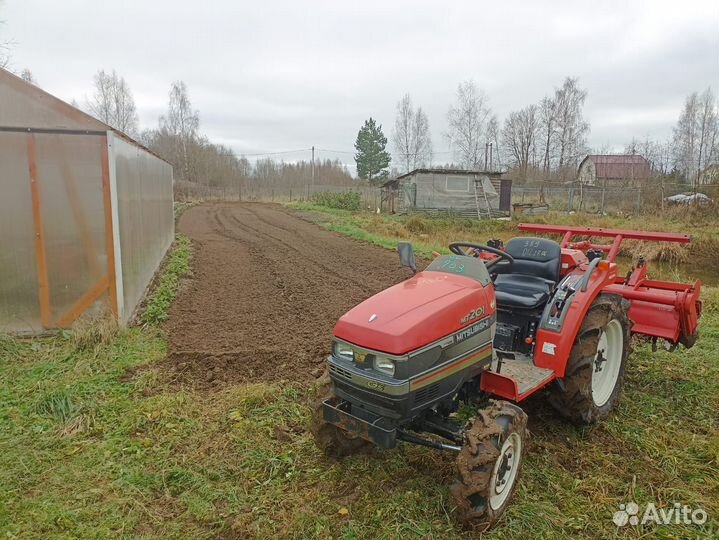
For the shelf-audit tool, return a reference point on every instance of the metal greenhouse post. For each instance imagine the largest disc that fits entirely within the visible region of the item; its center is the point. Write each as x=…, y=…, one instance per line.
x=109, y=229
x=112, y=230
x=40, y=252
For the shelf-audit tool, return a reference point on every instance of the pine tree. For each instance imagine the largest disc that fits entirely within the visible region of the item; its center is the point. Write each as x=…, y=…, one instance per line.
x=372, y=157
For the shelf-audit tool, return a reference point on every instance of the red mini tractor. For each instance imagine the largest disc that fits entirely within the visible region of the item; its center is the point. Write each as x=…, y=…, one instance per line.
x=483, y=329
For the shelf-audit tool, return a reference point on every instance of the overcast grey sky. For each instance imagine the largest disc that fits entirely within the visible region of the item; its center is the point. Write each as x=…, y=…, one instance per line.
x=281, y=75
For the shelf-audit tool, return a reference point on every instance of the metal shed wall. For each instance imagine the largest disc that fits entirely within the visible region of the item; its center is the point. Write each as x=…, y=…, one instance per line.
x=431, y=192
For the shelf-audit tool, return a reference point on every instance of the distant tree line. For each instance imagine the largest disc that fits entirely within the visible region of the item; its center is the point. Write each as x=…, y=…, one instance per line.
x=549, y=137
x=544, y=142
x=195, y=159
x=539, y=143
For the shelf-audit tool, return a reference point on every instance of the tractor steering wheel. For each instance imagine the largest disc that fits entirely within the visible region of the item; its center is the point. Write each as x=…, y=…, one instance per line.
x=456, y=248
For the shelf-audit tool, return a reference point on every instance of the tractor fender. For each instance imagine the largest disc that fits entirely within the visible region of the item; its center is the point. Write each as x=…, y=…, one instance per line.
x=556, y=335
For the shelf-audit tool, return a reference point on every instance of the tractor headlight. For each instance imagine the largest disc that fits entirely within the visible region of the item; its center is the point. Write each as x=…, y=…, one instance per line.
x=384, y=365
x=342, y=350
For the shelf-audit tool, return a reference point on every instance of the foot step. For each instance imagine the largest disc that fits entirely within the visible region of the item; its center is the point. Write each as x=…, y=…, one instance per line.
x=524, y=372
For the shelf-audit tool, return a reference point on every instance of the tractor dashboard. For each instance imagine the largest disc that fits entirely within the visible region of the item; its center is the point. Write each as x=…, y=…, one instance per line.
x=471, y=267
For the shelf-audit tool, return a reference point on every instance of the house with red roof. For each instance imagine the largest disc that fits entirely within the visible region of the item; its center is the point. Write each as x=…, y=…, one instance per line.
x=616, y=169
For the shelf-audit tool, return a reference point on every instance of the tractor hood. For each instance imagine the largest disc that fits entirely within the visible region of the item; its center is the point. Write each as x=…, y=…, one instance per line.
x=416, y=312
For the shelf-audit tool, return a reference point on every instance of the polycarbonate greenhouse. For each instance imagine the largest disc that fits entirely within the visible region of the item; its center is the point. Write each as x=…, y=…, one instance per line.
x=86, y=213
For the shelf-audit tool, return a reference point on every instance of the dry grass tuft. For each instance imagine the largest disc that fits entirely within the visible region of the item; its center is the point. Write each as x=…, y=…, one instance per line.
x=710, y=299
x=657, y=251
x=93, y=331
x=418, y=224
x=82, y=423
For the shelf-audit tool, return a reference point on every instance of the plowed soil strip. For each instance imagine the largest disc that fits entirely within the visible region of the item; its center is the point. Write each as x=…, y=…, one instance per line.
x=266, y=291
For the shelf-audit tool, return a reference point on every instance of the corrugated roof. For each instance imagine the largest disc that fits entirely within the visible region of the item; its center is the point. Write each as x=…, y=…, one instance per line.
x=448, y=171
x=617, y=158
x=619, y=166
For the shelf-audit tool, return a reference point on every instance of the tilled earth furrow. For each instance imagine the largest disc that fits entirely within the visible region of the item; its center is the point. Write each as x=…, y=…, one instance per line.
x=266, y=290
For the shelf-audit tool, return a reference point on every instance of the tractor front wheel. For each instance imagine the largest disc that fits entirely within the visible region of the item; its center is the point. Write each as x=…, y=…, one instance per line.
x=489, y=464
x=594, y=376
x=329, y=438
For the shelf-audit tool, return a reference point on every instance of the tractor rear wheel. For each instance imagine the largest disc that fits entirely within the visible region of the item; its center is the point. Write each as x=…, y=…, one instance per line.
x=594, y=376
x=333, y=441
x=489, y=464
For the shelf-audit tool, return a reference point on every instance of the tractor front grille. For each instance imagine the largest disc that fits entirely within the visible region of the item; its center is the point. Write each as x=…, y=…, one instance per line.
x=428, y=393
x=356, y=395
x=340, y=372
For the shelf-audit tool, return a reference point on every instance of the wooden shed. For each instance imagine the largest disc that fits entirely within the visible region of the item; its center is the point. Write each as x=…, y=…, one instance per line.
x=480, y=194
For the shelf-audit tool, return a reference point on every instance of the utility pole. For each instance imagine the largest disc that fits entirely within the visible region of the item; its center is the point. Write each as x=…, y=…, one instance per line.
x=313, y=168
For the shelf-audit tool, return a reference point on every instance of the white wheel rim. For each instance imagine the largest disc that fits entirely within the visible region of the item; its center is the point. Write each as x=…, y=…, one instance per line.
x=505, y=471
x=607, y=362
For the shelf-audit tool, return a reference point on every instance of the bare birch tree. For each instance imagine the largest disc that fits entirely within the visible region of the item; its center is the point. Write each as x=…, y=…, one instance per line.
x=571, y=128
x=4, y=45
x=112, y=102
x=411, y=137
x=519, y=137
x=495, y=149
x=547, y=127
x=696, y=135
x=467, y=121
x=422, y=139
x=653, y=151
x=182, y=124
x=27, y=75
x=708, y=128
x=4, y=54
x=685, y=143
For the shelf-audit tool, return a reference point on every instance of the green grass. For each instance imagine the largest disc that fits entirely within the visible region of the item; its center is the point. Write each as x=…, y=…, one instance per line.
x=348, y=201
x=95, y=443
x=433, y=234
x=177, y=265
x=673, y=261
x=181, y=206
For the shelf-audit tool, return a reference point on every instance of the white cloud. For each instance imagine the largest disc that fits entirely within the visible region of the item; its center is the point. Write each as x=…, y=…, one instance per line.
x=278, y=75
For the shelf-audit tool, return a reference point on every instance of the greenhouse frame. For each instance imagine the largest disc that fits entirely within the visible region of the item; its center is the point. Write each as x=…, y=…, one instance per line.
x=86, y=213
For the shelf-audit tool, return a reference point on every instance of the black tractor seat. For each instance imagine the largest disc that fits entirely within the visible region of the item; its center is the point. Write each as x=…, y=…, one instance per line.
x=529, y=281
x=522, y=291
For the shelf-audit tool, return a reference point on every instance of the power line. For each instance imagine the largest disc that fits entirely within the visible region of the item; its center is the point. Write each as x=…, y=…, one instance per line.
x=328, y=150
x=335, y=151
x=240, y=155
x=257, y=154
x=352, y=152
x=273, y=153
